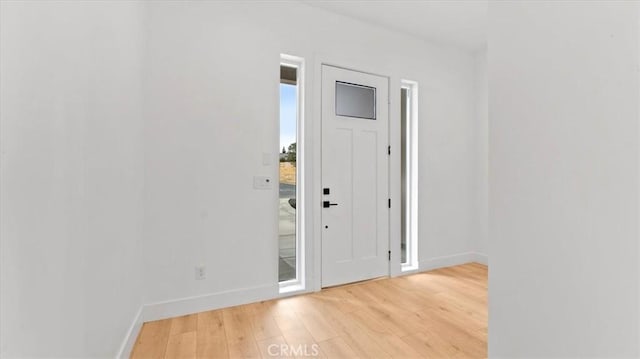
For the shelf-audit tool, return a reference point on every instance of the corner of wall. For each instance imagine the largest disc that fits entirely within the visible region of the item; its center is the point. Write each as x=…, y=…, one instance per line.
x=449, y=261
x=481, y=147
x=132, y=334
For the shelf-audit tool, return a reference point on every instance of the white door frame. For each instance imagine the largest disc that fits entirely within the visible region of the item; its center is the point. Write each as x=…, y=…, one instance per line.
x=314, y=190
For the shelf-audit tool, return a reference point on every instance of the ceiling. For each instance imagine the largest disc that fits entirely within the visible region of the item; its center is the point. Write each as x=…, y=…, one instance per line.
x=461, y=23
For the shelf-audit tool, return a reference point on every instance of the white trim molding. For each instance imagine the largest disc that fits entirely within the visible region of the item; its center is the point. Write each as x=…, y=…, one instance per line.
x=411, y=170
x=132, y=334
x=452, y=260
x=202, y=303
x=481, y=258
x=299, y=283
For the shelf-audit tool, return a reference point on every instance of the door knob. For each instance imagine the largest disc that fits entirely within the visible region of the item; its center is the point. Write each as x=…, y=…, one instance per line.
x=327, y=204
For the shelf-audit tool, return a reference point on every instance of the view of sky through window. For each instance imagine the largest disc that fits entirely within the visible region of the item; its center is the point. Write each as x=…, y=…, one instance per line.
x=288, y=111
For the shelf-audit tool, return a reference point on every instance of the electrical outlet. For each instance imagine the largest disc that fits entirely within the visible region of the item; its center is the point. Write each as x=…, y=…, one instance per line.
x=201, y=272
x=262, y=182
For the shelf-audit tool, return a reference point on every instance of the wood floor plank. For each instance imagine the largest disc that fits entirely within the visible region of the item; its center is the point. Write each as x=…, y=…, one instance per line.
x=211, y=340
x=152, y=340
x=401, y=298
x=436, y=314
x=238, y=329
x=182, y=346
x=288, y=322
x=210, y=321
x=183, y=324
x=360, y=338
x=465, y=341
x=317, y=326
x=470, y=313
x=432, y=346
x=337, y=348
x=274, y=347
x=340, y=299
x=396, y=347
x=364, y=345
x=300, y=341
x=264, y=326
x=211, y=346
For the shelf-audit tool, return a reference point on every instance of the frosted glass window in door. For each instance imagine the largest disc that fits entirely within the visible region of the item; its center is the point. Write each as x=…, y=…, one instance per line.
x=355, y=100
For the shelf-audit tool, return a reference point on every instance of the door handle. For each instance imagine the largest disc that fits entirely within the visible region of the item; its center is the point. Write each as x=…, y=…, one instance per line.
x=327, y=204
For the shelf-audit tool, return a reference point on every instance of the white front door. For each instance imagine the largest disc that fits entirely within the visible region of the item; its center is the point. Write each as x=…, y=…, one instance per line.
x=355, y=161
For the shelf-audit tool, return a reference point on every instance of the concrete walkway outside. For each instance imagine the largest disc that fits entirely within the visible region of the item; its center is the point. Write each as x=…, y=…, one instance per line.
x=287, y=239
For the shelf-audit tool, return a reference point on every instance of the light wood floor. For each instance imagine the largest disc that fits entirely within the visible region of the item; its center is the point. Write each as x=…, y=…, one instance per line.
x=437, y=314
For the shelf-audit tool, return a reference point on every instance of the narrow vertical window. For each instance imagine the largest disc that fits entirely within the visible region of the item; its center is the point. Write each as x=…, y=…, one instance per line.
x=409, y=163
x=290, y=245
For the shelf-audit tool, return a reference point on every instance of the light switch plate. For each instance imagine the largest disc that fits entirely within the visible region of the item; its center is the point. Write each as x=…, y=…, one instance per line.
x=262, y=182
x=201, y=272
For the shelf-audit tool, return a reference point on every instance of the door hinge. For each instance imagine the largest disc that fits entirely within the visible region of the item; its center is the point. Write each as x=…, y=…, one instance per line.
x=389, y=202
x=389, y=150
x=389, y=255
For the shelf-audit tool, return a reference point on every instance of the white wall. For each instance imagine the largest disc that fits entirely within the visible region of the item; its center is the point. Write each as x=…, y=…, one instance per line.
x=481, y=161
x=71, y=177
x=130, y=136
x=212, y=111
x=563, y=100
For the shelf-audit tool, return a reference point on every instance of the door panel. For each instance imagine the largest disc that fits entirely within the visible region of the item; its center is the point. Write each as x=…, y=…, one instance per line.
x=355, y=237
x=364, y=189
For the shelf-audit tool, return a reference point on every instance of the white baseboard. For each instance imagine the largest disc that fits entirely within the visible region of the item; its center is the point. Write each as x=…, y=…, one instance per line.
x=132, y=335
x=202, y=303
x=452, y=260
x=481, y=258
